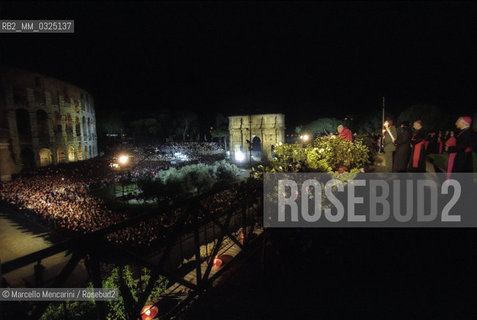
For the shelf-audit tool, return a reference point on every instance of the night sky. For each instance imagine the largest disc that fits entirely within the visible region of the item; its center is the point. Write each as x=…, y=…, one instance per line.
x=304, y=59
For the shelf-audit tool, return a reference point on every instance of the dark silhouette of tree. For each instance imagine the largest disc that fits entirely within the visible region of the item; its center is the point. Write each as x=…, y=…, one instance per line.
x=221, y=129
x=431, y=116
x=319, y=126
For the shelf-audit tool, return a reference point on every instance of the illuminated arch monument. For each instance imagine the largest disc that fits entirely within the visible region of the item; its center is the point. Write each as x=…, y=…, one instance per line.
x=40, y=122
x=259, y=132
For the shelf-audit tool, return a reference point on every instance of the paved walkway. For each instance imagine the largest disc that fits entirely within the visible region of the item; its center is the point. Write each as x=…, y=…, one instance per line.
x=18, y=237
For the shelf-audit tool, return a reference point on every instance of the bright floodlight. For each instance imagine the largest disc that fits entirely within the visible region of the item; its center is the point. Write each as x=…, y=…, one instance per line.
x=239, y=156
x=123, y=159
x=305, y=137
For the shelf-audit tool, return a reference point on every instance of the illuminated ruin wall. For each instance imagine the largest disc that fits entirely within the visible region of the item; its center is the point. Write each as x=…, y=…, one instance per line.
x=269, y=128
x=43, y=121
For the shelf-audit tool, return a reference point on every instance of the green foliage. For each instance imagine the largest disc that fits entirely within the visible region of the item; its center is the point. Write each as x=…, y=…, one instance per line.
x=115, y=309
x=223, y=171
x=330, y=154
x=188, y=180
x=370, y=143
x=325, y=154
x=75, y=310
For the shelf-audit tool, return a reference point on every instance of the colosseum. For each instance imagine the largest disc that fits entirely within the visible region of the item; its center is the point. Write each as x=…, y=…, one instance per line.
x=43, y=121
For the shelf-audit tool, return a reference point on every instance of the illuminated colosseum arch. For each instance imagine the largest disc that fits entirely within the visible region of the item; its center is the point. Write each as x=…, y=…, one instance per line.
x=78, y=127
x=38, y=126
x=45, y=157
x=80, y=153
x=93, y=129
x=85, y=134
x=60, y=155
x=42, y=127
x=23, y=122
x=85, y=156
x=57, y=127
x=69, y=126
x=27, y=158
x=89, y=128
x=71, y=154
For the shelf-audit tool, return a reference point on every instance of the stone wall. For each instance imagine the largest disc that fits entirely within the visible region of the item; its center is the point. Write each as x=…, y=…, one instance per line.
x=269, y=128
x=43, y=121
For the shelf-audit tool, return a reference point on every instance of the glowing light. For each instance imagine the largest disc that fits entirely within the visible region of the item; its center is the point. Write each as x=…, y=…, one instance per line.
x=149, y=312
x=123, y=159
x=305, y=137
x=217, y=262
x=181, y=156
x=239, y=156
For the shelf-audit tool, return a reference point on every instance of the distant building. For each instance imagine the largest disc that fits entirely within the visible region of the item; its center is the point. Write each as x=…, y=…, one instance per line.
x=43, y=121
x=253, y=137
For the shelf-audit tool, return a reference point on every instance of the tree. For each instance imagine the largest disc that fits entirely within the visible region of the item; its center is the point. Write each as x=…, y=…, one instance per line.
x=189, y=125
x=370, y=122
x=221, y=130
x=431, y=116
x=320, y=126
x=110, y=123
x=145, y=128
x=325, y=154
x=115, y=308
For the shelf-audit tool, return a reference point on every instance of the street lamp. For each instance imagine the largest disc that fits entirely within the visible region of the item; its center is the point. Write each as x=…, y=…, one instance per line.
x=305, y=137
x=123, y=159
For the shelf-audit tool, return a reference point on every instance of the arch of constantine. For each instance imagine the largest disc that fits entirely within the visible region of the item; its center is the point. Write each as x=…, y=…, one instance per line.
x=253, y=137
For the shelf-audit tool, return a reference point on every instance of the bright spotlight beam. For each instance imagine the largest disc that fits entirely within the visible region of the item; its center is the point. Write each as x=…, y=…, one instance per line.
x=123, y=159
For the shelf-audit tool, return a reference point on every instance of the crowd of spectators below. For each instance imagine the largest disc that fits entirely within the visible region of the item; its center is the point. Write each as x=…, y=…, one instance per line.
x=171, y=151
x=151, y=159
x=60, y=197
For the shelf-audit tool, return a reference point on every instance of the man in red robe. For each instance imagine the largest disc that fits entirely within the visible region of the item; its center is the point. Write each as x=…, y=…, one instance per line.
x=451, y=142
x=417, y=161
x=345, y=133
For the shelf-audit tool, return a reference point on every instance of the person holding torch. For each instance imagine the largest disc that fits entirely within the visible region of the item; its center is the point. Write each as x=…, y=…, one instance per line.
x=389, y=139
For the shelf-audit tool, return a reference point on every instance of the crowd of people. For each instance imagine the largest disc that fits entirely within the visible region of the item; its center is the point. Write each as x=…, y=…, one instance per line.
x=406, y=151
x=180, y=151
x=151, y=159
x=60, y=197
x=146, y=232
